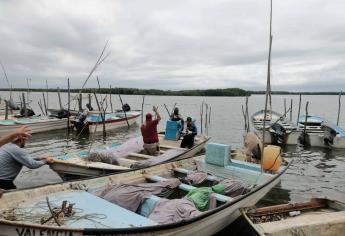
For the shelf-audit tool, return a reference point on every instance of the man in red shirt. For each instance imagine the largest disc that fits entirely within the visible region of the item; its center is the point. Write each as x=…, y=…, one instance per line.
x=150, y=134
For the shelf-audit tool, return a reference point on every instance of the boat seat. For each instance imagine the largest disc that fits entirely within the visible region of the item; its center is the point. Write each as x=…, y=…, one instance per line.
x=187, y=187
x=185, y=171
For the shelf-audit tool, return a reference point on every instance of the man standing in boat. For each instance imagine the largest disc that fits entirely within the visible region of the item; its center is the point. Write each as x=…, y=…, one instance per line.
x=150, y=134
x=191, y=132
x=13, y=157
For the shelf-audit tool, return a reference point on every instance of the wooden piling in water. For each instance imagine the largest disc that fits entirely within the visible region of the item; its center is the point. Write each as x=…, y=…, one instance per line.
x=124, y=110
x=59, y=96
x=80, y=102
x=299, y=107
x=339, y=106
x=6, y=109
x=24, y=105
x=285, y=107
x=102, y=114
x=291, y=110
x=110, y=100
x=142, y=110
x=45, y=104
x=201, y=115
x=47, y=95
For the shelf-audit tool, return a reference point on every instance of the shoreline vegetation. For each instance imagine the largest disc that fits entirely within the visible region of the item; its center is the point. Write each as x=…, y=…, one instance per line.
x=227, y=92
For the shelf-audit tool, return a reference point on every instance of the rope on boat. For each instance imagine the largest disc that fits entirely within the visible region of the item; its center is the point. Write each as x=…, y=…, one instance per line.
x=41, y=214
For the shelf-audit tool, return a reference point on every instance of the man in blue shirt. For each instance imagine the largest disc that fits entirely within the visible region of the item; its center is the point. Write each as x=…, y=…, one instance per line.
x=191, y=132
x=12, y=158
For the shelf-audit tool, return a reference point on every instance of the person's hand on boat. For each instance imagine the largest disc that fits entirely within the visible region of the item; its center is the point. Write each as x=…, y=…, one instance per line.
x=48, y=159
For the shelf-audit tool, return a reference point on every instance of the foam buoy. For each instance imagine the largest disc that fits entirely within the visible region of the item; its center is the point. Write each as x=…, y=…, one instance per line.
x=271, y=160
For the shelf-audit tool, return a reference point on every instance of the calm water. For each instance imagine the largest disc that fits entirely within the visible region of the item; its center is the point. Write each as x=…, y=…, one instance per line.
x=315, y=172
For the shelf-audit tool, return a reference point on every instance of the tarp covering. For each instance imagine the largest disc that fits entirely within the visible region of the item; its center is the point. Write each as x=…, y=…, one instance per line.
x=200, y=197
x=130, y=196
x=169, y=211
x=234, y=188
x=166, y=156
x=111, y=155
x=194, y=178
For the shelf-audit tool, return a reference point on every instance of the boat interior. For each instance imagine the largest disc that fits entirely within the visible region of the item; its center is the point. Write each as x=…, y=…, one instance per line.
x=127, y=155
x=319, y=216
x=157, y=195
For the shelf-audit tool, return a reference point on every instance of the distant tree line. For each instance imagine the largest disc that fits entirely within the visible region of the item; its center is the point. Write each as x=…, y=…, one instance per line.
x=227, y=92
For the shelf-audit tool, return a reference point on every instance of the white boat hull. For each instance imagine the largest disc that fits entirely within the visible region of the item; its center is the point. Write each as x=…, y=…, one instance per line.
x=37, y=127
x=113, y=125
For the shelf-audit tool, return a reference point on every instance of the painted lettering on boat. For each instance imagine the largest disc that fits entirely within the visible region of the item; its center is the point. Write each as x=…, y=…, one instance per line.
x=42, y=232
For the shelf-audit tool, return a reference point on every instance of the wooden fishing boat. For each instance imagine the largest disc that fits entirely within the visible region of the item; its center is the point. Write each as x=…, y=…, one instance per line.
x=94, y=123
x=88, y=210
x=125, y=157
x=317, y=217
x=55, y=112
x=36, y=123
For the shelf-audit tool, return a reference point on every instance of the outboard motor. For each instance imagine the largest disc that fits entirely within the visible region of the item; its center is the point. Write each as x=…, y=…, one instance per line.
x=80, y=123
x=329, y=134
x=126, y=107
x=29, y=111
x=278, y=134
x=63, y=113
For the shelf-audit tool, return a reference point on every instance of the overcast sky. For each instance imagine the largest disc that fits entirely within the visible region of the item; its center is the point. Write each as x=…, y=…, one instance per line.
x=175, y=44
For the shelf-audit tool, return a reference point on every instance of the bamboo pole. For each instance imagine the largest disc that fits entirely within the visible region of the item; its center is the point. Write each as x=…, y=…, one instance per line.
x=40, y=105
x=244, y=118
x=299, y=107
x=206, y=126
x=268, y=85
x=247, y=114
x=285, y=105
x=339, y=106
x=209, y=118
x=305, y=124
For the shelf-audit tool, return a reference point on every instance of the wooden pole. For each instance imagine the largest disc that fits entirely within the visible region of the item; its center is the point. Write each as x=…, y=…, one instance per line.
x=245, y=119
x=339, y=106
x=24, y=103
x=299, y=107
x=284, y=105
x=166, y=108
x=80, y=102
x=6, y=110
x=102, y=114
x=124, y=110
x=89, y=96
x=59, y=96
x=201, y=115
x=209, y=118
x=45, y=104
x=291, y=110
x=206, y=118
x=247, y=114
x=268, y=85
x=40, y=105
x=305, y=123
x=110, y=100
x=47, y=95
x=142, y=110
x=68, y=105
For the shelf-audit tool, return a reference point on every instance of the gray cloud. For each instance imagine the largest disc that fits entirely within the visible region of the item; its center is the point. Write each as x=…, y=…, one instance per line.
x=174, y=44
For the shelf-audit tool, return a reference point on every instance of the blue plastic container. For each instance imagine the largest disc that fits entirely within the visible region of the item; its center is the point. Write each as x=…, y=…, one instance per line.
x=172, y=131
x=217, y=154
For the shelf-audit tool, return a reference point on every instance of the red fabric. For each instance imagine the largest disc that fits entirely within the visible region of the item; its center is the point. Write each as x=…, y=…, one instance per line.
x=149, y=131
